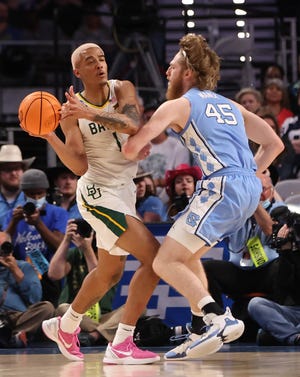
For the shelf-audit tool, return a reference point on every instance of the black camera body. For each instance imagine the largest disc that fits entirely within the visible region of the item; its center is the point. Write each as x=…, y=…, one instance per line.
x=282, y=215
x=6, y=249
x=181, y=201
x=29, y=209
x=83, y=228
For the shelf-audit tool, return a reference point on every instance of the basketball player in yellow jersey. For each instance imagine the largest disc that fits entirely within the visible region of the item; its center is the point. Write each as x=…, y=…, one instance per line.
x=96, y=122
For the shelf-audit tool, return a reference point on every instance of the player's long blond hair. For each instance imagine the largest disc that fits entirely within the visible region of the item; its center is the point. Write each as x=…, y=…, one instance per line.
x=201, y=59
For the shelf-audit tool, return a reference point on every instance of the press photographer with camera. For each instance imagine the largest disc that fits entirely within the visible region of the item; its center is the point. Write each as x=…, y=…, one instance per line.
x=21, y=308
x=36, y=224
x=279, y=318
x=74, y=258
x=37, y=228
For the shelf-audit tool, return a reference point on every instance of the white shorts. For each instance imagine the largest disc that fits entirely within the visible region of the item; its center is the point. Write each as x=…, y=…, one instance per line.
x=219, y=207
x=104, y=208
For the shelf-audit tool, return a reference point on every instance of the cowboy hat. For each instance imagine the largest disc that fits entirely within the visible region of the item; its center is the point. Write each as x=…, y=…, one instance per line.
x=182, y=169
x=141, y=174
x=12, y=153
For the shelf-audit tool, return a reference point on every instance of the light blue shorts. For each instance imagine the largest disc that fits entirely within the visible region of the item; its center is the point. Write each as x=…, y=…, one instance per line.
x=219, y=207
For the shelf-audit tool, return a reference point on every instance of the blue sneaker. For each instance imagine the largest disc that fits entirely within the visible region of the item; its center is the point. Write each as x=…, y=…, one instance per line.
x=230, y=328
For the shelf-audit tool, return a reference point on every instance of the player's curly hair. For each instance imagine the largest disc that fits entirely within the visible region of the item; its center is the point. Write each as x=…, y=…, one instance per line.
x=201, y=59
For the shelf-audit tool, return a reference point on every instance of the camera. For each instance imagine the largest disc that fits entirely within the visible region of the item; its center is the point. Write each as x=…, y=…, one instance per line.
x=83, y=228
x=6, y=249
x=282, y=215
x=181, y=201
x=29, y=209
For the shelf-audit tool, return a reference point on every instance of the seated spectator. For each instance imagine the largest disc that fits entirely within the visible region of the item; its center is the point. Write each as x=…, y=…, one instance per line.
x=180, y=186
x=73, y=264
x=275, y=97
x=250, y=98
x=252, y=267
x=291, y=130
x=21, y=309
x=148, y=205
x=64, y=184
x=279, y=318
x=12, y=167
x=282, y=166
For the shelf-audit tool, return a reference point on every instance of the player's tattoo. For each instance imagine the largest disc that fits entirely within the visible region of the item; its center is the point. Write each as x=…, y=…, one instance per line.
x=110, y=120
x=131, y=112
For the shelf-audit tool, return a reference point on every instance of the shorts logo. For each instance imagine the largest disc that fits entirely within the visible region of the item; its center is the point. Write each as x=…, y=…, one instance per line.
x=192, y=219
x=93, y=191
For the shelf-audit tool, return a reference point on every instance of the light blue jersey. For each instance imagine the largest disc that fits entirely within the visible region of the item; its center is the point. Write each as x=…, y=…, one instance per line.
x=229, y=191
x=215, y=133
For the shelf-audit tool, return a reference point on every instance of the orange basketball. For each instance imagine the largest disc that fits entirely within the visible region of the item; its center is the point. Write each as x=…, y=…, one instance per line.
x=39, y=113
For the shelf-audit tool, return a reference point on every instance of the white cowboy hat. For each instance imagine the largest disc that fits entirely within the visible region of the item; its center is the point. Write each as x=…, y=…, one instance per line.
x=12, y=153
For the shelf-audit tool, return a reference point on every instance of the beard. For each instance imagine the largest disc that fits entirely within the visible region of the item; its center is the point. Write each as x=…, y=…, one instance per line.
x=175, y=90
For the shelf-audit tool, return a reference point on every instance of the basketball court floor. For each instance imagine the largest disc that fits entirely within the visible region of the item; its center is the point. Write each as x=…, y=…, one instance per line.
x=231, y=361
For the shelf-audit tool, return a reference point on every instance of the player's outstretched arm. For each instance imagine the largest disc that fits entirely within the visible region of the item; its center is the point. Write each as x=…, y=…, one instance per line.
x=126, y=118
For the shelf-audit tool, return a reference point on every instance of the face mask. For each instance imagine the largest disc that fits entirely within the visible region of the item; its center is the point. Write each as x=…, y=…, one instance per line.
x=38, y=202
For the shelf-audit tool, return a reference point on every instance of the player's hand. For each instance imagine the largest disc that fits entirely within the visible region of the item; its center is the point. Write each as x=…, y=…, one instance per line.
x=73, y=107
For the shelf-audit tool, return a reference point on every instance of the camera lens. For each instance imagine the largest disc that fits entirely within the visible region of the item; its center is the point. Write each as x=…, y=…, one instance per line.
x=83, y=228
x=6, y=248
x=29, y=208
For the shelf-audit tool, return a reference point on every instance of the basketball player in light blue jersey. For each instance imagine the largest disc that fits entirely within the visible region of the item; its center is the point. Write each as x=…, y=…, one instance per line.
x=216, y=131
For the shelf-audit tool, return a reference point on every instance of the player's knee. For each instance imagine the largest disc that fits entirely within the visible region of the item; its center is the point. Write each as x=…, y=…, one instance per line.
x=157, y=265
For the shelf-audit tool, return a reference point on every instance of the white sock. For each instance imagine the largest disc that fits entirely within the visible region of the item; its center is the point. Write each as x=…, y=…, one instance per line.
x=123, y=332
x=70, y=321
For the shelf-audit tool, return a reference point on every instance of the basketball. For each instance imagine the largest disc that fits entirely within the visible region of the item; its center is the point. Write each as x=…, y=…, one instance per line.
x=39, y=113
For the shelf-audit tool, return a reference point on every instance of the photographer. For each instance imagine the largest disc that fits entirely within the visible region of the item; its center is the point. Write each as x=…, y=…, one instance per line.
x=37, y=228
x=73, y=264
x=21, y=308
x=279, y=318
x=37, y=224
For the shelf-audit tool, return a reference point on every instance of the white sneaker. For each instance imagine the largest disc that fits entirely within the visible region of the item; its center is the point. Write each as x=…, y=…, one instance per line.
x=197, y=345
x=230, y=328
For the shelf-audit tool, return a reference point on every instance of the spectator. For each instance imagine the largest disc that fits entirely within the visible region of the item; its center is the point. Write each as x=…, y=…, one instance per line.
x=148, y=205
x=275, y=96
x=291, y=130
x=283, y=166
x=180, y=186
x=73, y=264
x=12, y=166
x=250, y=98
x=21, y=308
x=252, y=266
x=64, y=184
x=279, y=319
x=43, y=226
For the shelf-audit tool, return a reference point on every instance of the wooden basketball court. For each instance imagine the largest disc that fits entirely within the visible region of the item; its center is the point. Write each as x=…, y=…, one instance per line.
x=231, y=361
